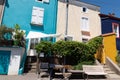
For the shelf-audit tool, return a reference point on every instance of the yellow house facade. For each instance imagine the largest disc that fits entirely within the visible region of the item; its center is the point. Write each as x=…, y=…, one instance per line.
x=77, y=20
x=109, y=48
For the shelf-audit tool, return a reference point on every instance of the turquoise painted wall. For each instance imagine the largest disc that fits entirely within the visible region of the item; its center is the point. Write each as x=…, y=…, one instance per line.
x=20, y=12
x=4, y=61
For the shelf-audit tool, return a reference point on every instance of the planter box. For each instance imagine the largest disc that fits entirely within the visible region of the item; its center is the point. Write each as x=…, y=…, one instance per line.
x=6, y=42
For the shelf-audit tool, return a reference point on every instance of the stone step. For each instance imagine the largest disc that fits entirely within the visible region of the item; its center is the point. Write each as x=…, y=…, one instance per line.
x=114, y=76
x=107, y=69
x=105, y=66
x=27, y=70
x=32, y=67
x=110, y=72
x=31, y=64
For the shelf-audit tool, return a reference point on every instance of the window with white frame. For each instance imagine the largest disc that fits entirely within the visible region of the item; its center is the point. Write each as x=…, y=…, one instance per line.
x=37, y=16
x=116, y=29
x=68, y=38
x=33, y=43
x=85, y=24
x=85, y=38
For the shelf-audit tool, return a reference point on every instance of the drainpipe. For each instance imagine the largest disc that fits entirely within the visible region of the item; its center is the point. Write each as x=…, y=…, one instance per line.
x=66, y=28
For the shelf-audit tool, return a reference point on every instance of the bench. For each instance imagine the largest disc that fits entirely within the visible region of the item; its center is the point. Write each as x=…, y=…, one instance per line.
x=93, y=70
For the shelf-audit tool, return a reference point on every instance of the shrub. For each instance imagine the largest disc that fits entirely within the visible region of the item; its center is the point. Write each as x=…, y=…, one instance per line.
x=5, y=33
x=94, y=44
x=75, y=52
x=118, y=59
x=44, y=46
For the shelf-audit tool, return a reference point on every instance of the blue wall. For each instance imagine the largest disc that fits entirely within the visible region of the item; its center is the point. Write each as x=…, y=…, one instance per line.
x=107, y=28
x=20, y=11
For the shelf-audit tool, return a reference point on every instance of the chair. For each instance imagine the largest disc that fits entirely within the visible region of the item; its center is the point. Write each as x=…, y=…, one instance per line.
x=93, y=70
x=44, y=67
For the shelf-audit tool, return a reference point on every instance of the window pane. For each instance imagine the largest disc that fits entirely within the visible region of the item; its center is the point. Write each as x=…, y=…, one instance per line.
x=85, y=25
x=116, y=29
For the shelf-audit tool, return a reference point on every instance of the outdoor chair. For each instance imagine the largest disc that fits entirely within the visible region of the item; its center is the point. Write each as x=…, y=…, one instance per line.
x=44, y=68
x=93, y=70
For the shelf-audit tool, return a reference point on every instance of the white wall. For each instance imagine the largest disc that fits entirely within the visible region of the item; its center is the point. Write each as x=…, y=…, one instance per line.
x=75, y=14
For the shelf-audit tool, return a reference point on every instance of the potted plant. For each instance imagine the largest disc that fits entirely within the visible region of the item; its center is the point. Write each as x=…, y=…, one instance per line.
x=19, y=36
x=5, y=36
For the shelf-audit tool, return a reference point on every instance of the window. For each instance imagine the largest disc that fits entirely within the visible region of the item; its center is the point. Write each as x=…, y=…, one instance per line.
x=84, y=9
x=115, y=27
x=46, y=1
x=68, y=38
x=85, y=25
x=39, y=0
x=33, y=43
x=84, y=40
x=37, y=16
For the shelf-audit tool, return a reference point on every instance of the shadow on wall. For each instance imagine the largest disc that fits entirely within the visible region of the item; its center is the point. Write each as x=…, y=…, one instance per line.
x=34, y=27
x=6, y=4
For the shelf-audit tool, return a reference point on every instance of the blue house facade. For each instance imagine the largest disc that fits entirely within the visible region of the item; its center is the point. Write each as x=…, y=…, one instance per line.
x=22, y=11
x=31, y=15
x=111, y=24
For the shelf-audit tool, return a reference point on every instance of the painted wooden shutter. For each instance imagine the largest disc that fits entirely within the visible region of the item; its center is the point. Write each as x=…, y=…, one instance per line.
x=37, y=16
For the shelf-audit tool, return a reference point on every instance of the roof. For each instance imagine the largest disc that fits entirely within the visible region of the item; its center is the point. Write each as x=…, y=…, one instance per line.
x=108, y=34
x=82, y=4
x=104, y=16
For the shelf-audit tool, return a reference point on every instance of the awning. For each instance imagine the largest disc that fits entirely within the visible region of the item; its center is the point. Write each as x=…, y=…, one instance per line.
x=33, y=34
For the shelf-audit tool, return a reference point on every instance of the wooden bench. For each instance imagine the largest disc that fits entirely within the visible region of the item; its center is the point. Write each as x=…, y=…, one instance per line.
x=93, y=70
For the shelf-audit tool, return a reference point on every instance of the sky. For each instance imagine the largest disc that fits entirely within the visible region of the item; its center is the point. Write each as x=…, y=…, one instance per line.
x=106, y=6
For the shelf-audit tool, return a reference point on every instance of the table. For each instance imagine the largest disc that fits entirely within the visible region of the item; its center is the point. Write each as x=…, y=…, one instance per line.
x=66, y=75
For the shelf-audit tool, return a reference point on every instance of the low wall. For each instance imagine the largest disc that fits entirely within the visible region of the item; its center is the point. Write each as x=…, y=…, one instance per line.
x=112, y=65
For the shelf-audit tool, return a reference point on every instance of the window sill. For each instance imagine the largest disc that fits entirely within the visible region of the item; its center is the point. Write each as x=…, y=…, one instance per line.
x=34, y=24
x=87, y=33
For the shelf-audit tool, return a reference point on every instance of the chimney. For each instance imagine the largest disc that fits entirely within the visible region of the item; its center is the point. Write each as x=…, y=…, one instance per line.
x=111, y=14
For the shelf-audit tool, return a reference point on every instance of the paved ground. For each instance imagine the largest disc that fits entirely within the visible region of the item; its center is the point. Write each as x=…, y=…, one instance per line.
x=33, y=76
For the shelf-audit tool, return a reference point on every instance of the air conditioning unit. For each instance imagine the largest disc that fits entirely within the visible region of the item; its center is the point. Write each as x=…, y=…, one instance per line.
x=46, y=1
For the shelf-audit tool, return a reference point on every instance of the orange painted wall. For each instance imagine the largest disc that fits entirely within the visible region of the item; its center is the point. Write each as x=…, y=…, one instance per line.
x=109, y=42
x=109, y=49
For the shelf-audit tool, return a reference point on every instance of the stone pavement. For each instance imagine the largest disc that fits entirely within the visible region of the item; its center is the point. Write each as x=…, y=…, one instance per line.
x=33, y=76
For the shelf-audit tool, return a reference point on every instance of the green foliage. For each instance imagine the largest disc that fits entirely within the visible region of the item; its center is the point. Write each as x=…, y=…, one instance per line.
x=5, y=31
x=118, y=58
x=79, y=66
x=77, y=51
x=44, y=46
x=94, y=44
x=19, y=36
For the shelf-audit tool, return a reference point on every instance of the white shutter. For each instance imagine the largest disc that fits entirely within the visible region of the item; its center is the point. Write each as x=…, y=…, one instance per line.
x=85, y=24
x=37, y=16
x=46, y=1
x=117, y=31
